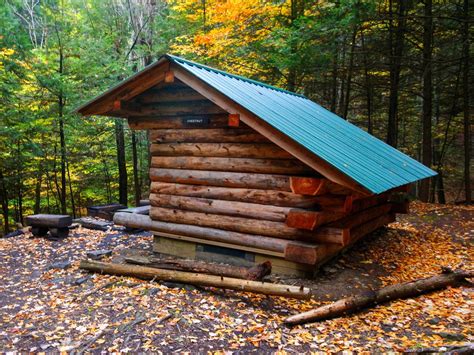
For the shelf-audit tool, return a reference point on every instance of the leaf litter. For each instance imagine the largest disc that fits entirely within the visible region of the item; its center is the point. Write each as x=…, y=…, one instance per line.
x=44, y=309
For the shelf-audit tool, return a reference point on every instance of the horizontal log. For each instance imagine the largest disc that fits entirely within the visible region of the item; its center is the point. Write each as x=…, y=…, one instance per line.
x=362, y=230
x=178, y=108
x=230, y=208
x=170, y=95
x=219, y=178
x=265, y=197
x=244, y=165
x=256, y=272
x=149, y=273
x=288, y=247
x=365, y=203
x=246, y=225
x=361, y=217
x=212, y=234
x=207, y=135
x=178, y=122
x=312, y=186
x=235, y=150
x=225, y=179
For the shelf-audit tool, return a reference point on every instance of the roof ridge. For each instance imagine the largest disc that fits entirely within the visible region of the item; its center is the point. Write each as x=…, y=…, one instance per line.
x=235, y=76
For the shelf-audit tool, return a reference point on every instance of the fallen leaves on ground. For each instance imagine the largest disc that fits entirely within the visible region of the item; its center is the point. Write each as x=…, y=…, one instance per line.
x=44, y=309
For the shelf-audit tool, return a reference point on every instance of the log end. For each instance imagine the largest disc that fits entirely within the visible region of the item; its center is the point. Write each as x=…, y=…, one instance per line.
x=307, y=185
x=302, y=253
x=302, y=219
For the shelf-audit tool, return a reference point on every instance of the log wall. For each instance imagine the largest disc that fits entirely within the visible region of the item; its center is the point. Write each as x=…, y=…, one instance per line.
x=212, y=172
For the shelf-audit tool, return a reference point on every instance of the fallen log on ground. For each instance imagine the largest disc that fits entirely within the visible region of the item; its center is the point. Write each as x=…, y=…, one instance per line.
x=149, y=273
x=255, y=273
x=448, y=277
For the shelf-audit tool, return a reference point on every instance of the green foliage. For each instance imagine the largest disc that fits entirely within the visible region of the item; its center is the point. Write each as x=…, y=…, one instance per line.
x=336, y=52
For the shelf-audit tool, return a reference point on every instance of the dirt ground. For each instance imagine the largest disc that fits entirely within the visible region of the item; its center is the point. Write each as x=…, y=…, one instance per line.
x=47, y=309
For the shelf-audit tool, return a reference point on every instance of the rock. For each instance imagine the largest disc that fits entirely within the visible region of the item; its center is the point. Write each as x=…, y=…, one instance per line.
x=153, y=291
x=81, y=280
x=98, y=254
x=14, y=234
x=92, y=223
x=60, y=265
x=452, y=336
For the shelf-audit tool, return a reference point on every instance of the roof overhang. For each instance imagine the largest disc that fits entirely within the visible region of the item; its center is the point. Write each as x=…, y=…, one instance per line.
x=106, y=105
x=126, y=89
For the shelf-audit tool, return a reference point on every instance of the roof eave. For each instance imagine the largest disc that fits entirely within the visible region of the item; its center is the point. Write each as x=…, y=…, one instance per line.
x=87, y=109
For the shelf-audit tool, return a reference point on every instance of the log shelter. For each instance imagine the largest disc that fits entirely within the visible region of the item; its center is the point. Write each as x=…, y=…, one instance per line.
x=244, y=172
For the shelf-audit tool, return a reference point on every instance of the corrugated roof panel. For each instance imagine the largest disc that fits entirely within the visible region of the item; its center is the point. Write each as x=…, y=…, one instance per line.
x=366, y=159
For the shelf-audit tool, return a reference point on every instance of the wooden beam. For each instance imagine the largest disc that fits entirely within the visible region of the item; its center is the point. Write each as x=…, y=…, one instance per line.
x=219, y=120
x=169, y=77
x=207, y=135
x=249, y=165
x=183, y=108
x=170, y=94
x=234, y=119
x=260, y=196
x=234, y=150
x=213, y=234
x=247, y=225
x=127, y=90
x=267, y=130
x=230, y=208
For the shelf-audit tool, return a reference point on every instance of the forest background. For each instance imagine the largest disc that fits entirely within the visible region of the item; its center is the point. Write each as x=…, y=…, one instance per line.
x=399, y=69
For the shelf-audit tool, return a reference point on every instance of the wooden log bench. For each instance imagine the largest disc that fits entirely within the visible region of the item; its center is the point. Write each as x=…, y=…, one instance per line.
x=56, y=224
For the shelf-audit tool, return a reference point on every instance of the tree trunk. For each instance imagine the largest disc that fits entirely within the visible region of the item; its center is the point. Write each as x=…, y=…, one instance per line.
x=121, y=162
x=396, y=52
x=136, y=180
x=148, y=273
x=389, y=293
x=467, y=118
x=255, y=273
x=61, y=133
x=4, y=203
x=349, y=76
x=19, y=184
x=73, y=204
x=368, y=84
x=426, y=151
x=334, y=78
x=39, y=175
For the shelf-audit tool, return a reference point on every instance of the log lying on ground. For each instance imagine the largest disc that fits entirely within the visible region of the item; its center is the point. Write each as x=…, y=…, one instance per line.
x=255, y=273
x=243, y=165
x=149, y=273
x=235, y=150
x=389, y=293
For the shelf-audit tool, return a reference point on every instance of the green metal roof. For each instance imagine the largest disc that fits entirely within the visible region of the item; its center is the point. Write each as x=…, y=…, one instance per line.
x=367, y=160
